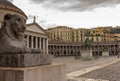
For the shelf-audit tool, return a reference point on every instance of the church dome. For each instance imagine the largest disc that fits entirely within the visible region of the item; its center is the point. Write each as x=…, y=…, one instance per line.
x=7, y=7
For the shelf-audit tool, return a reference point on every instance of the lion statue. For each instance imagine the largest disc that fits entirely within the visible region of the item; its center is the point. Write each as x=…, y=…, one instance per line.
x=12, y=36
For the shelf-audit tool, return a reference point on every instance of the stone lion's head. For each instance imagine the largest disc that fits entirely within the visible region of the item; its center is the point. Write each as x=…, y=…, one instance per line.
x=14, y=25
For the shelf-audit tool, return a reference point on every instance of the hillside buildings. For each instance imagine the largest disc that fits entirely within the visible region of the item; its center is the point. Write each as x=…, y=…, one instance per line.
x=67, y=34
x=66, y=41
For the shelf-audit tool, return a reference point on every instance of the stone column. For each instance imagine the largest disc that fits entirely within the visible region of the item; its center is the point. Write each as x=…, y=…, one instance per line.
x=46, y=45
x=40, y=43
x=36, y=42
x=32, y=42
x=43, y=44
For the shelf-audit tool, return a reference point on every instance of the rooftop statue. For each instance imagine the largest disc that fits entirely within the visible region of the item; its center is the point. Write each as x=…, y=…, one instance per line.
x=12, y=36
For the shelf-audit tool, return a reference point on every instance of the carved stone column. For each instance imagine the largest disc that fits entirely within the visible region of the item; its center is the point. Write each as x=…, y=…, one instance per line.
x=36, y=38
x=40, y=43
x=43, y=44
x=32, y=42
x=46, y=45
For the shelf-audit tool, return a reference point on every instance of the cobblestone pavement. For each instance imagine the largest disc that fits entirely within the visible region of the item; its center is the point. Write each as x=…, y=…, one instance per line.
x=110, y=73
x=86, y=79
x=74, y=65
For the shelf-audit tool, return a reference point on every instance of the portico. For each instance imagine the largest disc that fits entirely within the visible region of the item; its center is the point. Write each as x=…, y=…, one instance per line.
x=35, y=37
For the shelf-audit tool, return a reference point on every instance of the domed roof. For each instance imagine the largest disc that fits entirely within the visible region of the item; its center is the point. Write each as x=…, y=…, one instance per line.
x=4, y=4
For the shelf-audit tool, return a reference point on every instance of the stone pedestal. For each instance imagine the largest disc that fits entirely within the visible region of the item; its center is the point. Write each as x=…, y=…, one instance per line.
x=24, y=60
x=105, y=54
x=54, y=72
x=86, y=53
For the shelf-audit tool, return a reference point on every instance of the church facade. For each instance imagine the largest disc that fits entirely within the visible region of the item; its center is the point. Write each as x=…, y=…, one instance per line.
x=36, y=37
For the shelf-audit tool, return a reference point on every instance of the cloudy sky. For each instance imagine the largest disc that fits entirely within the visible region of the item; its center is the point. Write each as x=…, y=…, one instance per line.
x=73, y=13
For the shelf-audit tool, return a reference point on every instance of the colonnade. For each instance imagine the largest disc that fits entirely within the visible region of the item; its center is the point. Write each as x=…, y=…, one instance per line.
x=36, y=42
x=73, y=50
x=63, y=50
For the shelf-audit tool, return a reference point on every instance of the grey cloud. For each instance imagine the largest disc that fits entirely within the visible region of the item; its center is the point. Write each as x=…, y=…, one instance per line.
x=43, y=21
x=37, y=1
x=10, y=0
x=75, y=5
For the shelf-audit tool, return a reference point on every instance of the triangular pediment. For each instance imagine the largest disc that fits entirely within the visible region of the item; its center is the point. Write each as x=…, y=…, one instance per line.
x=34, y=27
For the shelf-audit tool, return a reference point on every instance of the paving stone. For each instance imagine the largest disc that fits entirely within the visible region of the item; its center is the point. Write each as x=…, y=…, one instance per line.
x=86, y=79
x=110, y=73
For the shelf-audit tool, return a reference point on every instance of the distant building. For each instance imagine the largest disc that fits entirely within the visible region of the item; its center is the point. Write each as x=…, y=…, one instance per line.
x=78, y=35
x=67, y=34
x=116, y=32
x=66, y=41
x=60, y=33
x=100, y=34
